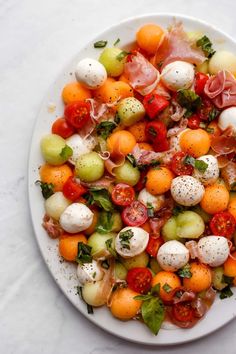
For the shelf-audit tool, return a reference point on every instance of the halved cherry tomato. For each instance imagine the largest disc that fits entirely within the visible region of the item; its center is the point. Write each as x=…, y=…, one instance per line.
x=77, y=114
x=178, y=166
x=183, y=312
x=153, y=245
x=62, y=128
x=223, y=224
x=135, y=214
x=72, y=190
x=154, y=104
x=200, y=82
x=139, y=279
x=123, y=194
x=206, y=109
x=194, y=121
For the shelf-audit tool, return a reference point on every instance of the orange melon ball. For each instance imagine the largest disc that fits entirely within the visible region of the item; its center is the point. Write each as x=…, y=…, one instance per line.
x=74, y=91
x=57, y=175
x=121, y=142
x=145, y=146
x=201, y=277
x=215, y=199
x=230, y=266
x=68, y=246
x=159, y=180
x=195, y=142
x=138, y=131
x=150, y=37
x=91, y=229
x=123, y=304
x=112, y=90
x=232, y=207
x=169, y=278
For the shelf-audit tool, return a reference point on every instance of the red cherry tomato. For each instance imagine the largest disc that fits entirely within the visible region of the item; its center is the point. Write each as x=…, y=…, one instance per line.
x=77, y=114
x=206, y=108
x=200, y=82
x=162, y=145
x=139, y=279
x=183, y=312
x=223, y=224
x=194, y=121
x=155, y=131
x=73, y=190
x=62, y=128
x=135, y=214
x=153, y=245
x=178, y=166
x=123, y=194
x=154, y=104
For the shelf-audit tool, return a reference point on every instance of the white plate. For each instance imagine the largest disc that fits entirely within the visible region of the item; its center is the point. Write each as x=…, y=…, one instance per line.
x=64, y=273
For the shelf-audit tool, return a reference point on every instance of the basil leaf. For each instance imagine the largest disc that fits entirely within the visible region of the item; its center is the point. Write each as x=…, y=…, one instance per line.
x=109, y=246
x=66, y=152
x=227, y=280
x=156, y=289
x=178, y=209
x=150, y=210
x=104, y=129
x=105, y=222
x=206, y=46
x=233, y=186
x=47, y=189
x=125, y=237
x=189, y=100
x=89, y=307
x=167, y=288
x=105, y=264
x=116, y=42
x=189, y=160
x=100, y=44
x=122, y=55
x=131, y=159
x=100, y=197
x=213, y=114
x=153, y=314
x=226, y=292
x=200, y=165
x=84, y=253
x=185, y=272
x=143, y=297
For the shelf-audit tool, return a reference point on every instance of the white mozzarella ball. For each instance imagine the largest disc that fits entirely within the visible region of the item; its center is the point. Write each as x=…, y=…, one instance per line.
x=228, y=118
x=178, y=75
x=212, y=172
x=131, y=241
x=151, y=201
x=222, y=60
x=213, y=250
x=172, y=255
x=91, y=73
x=89, y=272
x=187, y=190
x=56, y=204
x=79, y=146
x=76, y=217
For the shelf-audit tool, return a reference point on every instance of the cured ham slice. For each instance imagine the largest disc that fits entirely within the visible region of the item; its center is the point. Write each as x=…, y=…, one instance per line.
x=141, y=74
x=144, y=157
x=104, y=182
x=225, y=143
x=177, y=46
x=221, y=89
x=228, y=174
x=52, y=227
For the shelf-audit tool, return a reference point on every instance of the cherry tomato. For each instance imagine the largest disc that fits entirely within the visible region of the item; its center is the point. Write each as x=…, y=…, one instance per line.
x=200, y=82
x=135, y=214
x=153, y=245
x=77, y=114
x=73, y=190
x=162, y=145
x=206, y=109
x=154, y=104
x=62, y=128
x=223, y=224
x=123, y=194
x=156, y=134
x=194, y=121
x=183, y=312
x=178, y=166
x=139, y=279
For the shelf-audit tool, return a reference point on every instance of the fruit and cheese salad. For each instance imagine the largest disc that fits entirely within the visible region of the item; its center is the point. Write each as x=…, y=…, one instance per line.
x=140, y=173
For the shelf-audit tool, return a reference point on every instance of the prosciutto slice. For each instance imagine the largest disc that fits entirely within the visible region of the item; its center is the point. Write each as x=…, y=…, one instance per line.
x=141, y=74
x=177, y=46
x=225, y=143
x=144, y=157
x=52, y=227
x=104, y=182
x=221, y=89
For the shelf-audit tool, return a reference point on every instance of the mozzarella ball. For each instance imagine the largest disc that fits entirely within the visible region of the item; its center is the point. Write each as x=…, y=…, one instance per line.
x=131, y=241
x=89, y=272
x=228, y=118
x=76, y=217
x=90, y=73
x=56, y=204
x=222, y=60
x=178, y=75
x=151, y=201
x=172, y=255
x=213, y=250
x=187, y=190
x=212, y=172
x=79, y=146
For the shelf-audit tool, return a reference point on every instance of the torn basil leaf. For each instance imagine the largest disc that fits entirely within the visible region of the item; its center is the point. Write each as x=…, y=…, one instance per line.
x=125, y=237
x=189, y=100
x=66, y=152
x=105, y=222
x=100, y=197
x=200, y=165
x=47, y=189
x=185, y=272
x=226, y=292
x=122, y=55
x=100, y=44
x=104, y=129
x=84, y=253
x=116, y=42
x=206, y=46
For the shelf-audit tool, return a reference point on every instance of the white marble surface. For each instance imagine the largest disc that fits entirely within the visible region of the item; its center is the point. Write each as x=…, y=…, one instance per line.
x=37, y=38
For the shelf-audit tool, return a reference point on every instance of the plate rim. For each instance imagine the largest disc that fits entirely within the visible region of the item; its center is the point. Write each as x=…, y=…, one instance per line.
x=171, y=15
